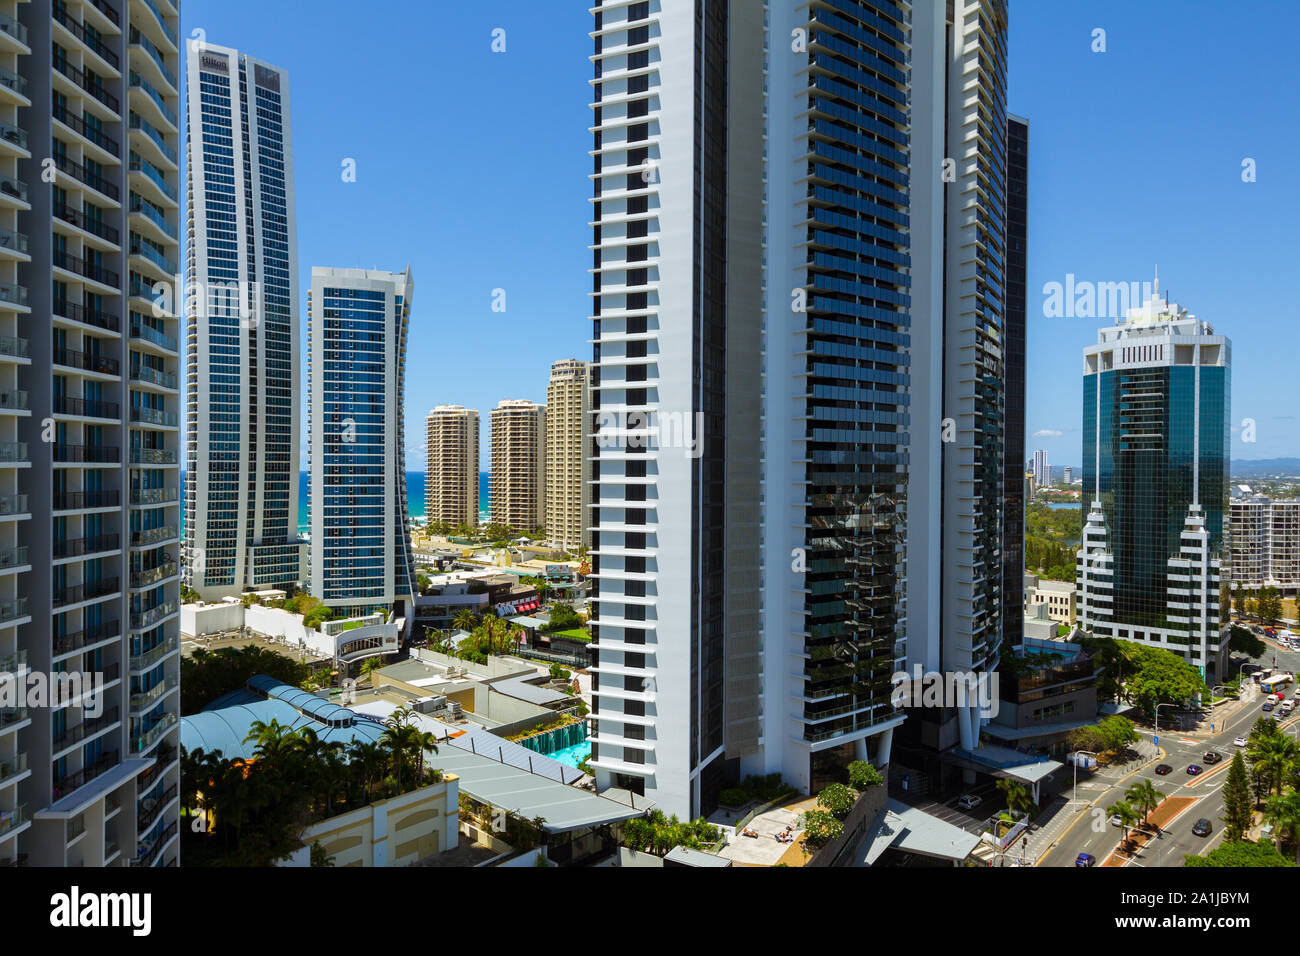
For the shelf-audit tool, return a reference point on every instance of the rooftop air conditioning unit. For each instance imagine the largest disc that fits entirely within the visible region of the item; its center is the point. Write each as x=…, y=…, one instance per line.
x=454, y=708
x=430, y=705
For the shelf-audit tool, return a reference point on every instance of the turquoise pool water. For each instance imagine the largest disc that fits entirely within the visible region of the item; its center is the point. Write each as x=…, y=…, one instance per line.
x=573, y=754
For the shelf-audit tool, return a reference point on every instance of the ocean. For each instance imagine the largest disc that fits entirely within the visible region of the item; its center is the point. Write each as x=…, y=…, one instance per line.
x=414, y=496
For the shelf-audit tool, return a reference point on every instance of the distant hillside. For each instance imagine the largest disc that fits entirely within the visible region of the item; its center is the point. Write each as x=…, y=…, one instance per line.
x=1262, y=467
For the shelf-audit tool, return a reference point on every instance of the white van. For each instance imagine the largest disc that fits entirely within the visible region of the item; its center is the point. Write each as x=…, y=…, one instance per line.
x=1287, y=707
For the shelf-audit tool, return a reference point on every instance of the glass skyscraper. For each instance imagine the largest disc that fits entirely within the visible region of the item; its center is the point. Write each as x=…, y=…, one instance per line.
x=1156, y=397
x=361, y=557
x=241, y=495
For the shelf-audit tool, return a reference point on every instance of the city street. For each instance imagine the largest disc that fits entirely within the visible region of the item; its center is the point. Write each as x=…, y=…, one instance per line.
x=1092, y=833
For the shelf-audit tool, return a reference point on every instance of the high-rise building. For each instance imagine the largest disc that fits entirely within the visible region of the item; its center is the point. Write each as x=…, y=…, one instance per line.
x=568, y=455
x=89, y=431
x=241, y=497
x=769, y=223
x=451, y=484
x=518, y=479
x=1013, y=477
x=361, y=557
x=1264, y=541
x=1067, y=475
x=1042, y=470
x=1156, y=395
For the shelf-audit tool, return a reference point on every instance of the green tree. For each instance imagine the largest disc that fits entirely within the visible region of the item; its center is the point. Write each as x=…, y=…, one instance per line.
x=1240, y=854
x=1274, y=758
x=1017, y=795
x=836, y=799
x=1242, y=641
x=207, y=675
x=1237, y=816
x=1144, y=796
x=1128, y=815
x=1283, y=814
x=862, y=775
x=1269, y=603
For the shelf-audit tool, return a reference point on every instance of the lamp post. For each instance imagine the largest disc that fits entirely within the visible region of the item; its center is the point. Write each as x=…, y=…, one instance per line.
x=1157, y=733
x=1212, y=690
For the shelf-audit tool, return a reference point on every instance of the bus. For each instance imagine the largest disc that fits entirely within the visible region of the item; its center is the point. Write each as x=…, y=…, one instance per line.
x=1272, y=685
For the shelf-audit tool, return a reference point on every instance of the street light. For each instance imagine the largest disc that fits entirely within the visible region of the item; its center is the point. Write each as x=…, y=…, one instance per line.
x=1157, y=733
x=1212, y=690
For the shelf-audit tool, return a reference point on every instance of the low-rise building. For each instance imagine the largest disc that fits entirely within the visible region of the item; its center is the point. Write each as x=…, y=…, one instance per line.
x=1059, y=597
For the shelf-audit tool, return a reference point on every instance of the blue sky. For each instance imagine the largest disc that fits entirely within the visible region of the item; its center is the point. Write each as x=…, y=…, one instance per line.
x=472, y=167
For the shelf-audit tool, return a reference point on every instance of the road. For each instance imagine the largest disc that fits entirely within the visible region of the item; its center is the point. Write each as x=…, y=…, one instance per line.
x=1093, y=834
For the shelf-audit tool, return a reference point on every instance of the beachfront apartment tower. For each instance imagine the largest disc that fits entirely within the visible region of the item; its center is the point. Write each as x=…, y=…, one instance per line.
x=361, y=557
x=1265, y=541
x=241, y=493
x=518, y=464
x=1042, y=470
x=765, y=206
x=451, y=484
x=1156, y=415
x=89, y=430
x=1013, y=469
x=568, y=454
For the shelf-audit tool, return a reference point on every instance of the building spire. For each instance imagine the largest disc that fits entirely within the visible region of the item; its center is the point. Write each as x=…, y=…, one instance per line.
x=1156, y=287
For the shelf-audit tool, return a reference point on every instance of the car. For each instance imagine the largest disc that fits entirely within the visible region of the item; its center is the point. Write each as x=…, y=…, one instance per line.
x=1193, y=769
x=1163, y=769
x=1202, y=827
x=1085, y=859
x=968, y=801
x=1240, y=742
x=1276, y=717
x=1116, y=821
x=1268, y=705
x=1212, y=756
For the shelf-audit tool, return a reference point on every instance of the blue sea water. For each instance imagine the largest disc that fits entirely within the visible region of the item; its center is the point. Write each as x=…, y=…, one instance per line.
x=414, y=495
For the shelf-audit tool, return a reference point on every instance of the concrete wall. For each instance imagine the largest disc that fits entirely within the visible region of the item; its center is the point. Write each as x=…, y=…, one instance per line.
x=199, y=619
x=864, y=813
x=394, y=832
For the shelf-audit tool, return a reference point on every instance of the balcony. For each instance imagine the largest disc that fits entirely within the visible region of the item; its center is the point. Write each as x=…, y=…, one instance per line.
x=89, y=454
x=13, y=399
x=137, y=122
x=141, y=248
x=12, y=819
x=153, y=456
x=82, y=500
x=76, y=593
x=148, y=855
x=93, y=42
x=153, y=416
x=103, y=7
x=13, y=294
x=143, y=701
x=12, y=81
x=87, y=362
x=16, y=347
x=68, y=643
x=142, y=539
x=159, y=58
x=87, y=728
x=86, y=407
x=82, y=175
x=154, y=496
x=138, y=82
x=92, y=544
x=149, y=618
x=86, y=268
x=108, y=321
x=13, y=188
x=153, y=376
x=13, y=505
x=86, y=130
x=15, y=557
x=13, y=241
x=87, y=79
x=142, y=579
x=143, y=207
x=149, y=658
x=13, y=767
x=9, y=716
x=81, y=221
x=13, y=451
x=150, y=807
x=69, y=782
x=147, y=333
x=11, y=27
x=171, y=34
x=154, y=175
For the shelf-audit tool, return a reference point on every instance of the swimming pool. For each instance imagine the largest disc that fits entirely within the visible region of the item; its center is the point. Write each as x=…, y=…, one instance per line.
x=572, y=755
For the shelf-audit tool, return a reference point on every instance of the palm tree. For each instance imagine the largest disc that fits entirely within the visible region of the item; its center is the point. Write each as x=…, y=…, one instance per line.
x=1283, y=814
x=424, y=741
x=1275, y=756
x=465, y=620
x=1017, y=796
x=1144, y=796
x=1128, y=816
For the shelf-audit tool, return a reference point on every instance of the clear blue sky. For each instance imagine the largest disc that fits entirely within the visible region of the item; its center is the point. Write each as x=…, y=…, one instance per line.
x=472, y=167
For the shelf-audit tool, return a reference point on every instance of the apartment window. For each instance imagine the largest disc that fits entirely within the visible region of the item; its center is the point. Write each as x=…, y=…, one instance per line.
x=634, y=731
x=638, y=35
x=633, y=684
x=638, y=133
x=635, y=516
x=634, y=708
